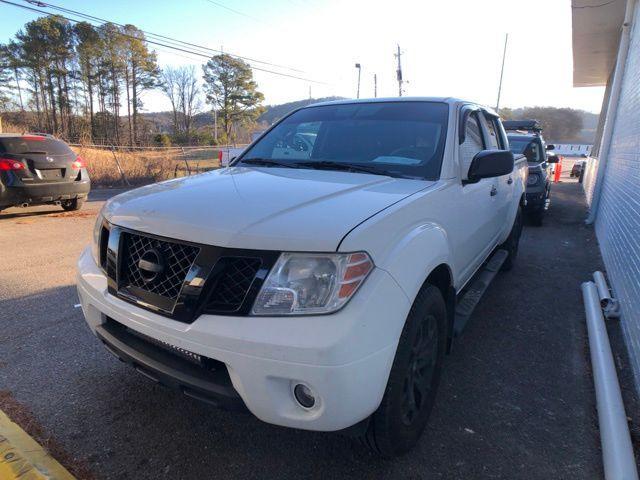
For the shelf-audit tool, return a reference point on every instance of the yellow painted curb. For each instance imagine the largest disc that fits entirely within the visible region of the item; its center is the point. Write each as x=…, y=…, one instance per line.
x=22, y=458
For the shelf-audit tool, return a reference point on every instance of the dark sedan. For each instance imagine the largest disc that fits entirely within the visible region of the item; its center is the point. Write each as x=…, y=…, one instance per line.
x=40, y=169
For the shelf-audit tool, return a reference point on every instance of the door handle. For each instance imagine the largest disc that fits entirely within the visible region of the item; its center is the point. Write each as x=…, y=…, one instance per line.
x=510, y=181
x=494, y=191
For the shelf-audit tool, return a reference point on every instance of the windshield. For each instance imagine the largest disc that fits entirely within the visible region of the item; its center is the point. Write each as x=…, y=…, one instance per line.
x=403, y=139
x=529, y=147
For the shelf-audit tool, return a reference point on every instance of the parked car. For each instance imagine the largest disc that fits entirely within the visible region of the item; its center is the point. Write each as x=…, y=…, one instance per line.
x=525, y=137
x=39, y=169
x=577, y=168
x=322, y=292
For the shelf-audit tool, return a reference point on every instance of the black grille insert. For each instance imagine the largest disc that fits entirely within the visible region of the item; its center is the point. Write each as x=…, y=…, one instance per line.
x=179, y=279
x=233, y=283
x=177, y=259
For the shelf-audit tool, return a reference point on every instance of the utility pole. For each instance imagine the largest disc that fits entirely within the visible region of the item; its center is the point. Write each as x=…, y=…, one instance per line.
x=375, y=86
x=399, y=72
x=215, y=125
x=309, y=92
x=504, y=55
x=359, y=70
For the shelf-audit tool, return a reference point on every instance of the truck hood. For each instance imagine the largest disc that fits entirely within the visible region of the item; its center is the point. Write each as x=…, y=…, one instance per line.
x=260, y=208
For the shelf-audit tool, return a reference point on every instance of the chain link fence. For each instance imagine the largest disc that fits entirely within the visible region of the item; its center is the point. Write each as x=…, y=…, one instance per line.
x=112, y=165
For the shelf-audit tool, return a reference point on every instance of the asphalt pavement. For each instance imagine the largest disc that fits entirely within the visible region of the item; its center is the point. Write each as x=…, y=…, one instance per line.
x=516, y=399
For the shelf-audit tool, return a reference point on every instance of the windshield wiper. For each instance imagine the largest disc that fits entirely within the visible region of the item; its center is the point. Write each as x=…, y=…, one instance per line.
x=348, y=167
x=266, y=162
x=31, y=152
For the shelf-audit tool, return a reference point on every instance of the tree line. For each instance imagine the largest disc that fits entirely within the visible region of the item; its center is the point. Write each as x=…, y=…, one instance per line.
x=562, y=125
x=85, y=83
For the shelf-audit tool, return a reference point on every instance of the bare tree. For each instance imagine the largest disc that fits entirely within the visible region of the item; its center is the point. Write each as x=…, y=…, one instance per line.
x=180, y=85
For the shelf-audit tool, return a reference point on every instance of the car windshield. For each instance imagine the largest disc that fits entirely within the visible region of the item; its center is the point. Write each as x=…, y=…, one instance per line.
x=530, y=148
x=401, y=139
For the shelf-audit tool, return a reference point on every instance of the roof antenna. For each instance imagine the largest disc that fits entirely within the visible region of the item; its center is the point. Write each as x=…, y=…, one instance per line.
x=504, y=55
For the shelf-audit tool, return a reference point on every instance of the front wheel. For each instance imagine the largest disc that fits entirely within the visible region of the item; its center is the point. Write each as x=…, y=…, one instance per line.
x=537, y=217
x=71, y=205
x=395, y=427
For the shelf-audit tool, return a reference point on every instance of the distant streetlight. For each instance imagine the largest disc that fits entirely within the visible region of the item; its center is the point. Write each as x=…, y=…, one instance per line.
x=359, y=70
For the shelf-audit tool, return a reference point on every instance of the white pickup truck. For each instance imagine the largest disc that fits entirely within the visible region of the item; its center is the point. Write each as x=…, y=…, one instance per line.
x=321, y=278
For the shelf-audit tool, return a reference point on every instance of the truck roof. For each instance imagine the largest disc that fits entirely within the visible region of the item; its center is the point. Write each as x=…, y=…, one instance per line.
x=448, y=100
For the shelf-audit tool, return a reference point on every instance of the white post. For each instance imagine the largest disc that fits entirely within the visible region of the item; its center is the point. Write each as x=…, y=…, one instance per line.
x=617, y=452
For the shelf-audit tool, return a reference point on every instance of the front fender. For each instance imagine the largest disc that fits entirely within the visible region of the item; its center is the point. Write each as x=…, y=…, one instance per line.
x=413, y=258
x=408, y=255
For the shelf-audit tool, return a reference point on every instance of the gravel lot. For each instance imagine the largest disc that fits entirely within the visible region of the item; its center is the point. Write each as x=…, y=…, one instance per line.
x=516, y=399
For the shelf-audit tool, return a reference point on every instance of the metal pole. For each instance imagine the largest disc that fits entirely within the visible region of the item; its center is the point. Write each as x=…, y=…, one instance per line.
x=359, y=70
x=504, y=55
x=617, y=452
x=124, y=177
x=184, y=157
x=375, y=86
x=215, y=126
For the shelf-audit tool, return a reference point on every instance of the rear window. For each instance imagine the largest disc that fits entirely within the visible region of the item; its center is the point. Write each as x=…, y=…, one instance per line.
x=34, y=144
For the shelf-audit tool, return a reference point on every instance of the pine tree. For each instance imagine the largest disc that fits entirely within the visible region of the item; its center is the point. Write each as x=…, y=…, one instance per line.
x=230, y=87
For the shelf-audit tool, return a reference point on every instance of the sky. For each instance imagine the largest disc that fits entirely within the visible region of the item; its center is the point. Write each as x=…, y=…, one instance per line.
x=449, y=48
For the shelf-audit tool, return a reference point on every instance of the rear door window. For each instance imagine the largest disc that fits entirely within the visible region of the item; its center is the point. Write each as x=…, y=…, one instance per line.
x=494, y=140
x=34, y=144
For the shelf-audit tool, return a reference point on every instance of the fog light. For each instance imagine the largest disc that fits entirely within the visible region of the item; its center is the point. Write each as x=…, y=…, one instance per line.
x=304, y=395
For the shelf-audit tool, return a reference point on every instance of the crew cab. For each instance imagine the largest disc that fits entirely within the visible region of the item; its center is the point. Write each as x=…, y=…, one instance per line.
x=525, y=137
x=319, y=280
x=37, y=169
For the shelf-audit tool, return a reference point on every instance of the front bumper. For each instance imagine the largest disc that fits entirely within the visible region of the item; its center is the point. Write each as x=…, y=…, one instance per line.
x=537, y=197
x=35, y=194
x=344, y=357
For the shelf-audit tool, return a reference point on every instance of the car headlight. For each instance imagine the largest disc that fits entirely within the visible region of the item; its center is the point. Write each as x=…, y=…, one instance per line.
x=533, y=179
x=95, y=244
x=312, y=283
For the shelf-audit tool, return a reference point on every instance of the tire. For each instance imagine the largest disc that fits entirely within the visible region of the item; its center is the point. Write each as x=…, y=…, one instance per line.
x=512, y=243
x=72, y=205
x=395, y=427
x=537, y=217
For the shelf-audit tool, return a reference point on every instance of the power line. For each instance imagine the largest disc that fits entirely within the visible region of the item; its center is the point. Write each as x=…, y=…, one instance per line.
x=156, y=35
x=165, y=45
x=234, y=11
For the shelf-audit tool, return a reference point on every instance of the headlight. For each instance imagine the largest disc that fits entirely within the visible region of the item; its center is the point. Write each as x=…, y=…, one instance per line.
x=533, y=179
x=311, y=283
x=95, y=244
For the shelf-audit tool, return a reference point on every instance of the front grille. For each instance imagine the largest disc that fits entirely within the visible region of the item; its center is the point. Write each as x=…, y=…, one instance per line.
x=233, y=283
x=178, y=259
x=182, y=280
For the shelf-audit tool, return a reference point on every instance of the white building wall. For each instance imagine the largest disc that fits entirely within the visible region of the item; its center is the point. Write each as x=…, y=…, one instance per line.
x=618, y=216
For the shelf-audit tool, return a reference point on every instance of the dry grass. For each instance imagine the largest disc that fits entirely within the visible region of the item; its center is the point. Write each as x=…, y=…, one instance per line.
x=144, y=167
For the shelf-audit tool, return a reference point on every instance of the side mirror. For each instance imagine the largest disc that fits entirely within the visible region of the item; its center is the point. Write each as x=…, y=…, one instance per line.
x=551, y=146
x=553, y=159
x=490, y=163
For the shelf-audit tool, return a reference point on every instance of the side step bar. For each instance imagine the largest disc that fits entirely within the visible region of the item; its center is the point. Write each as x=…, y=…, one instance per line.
x=472, y=296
